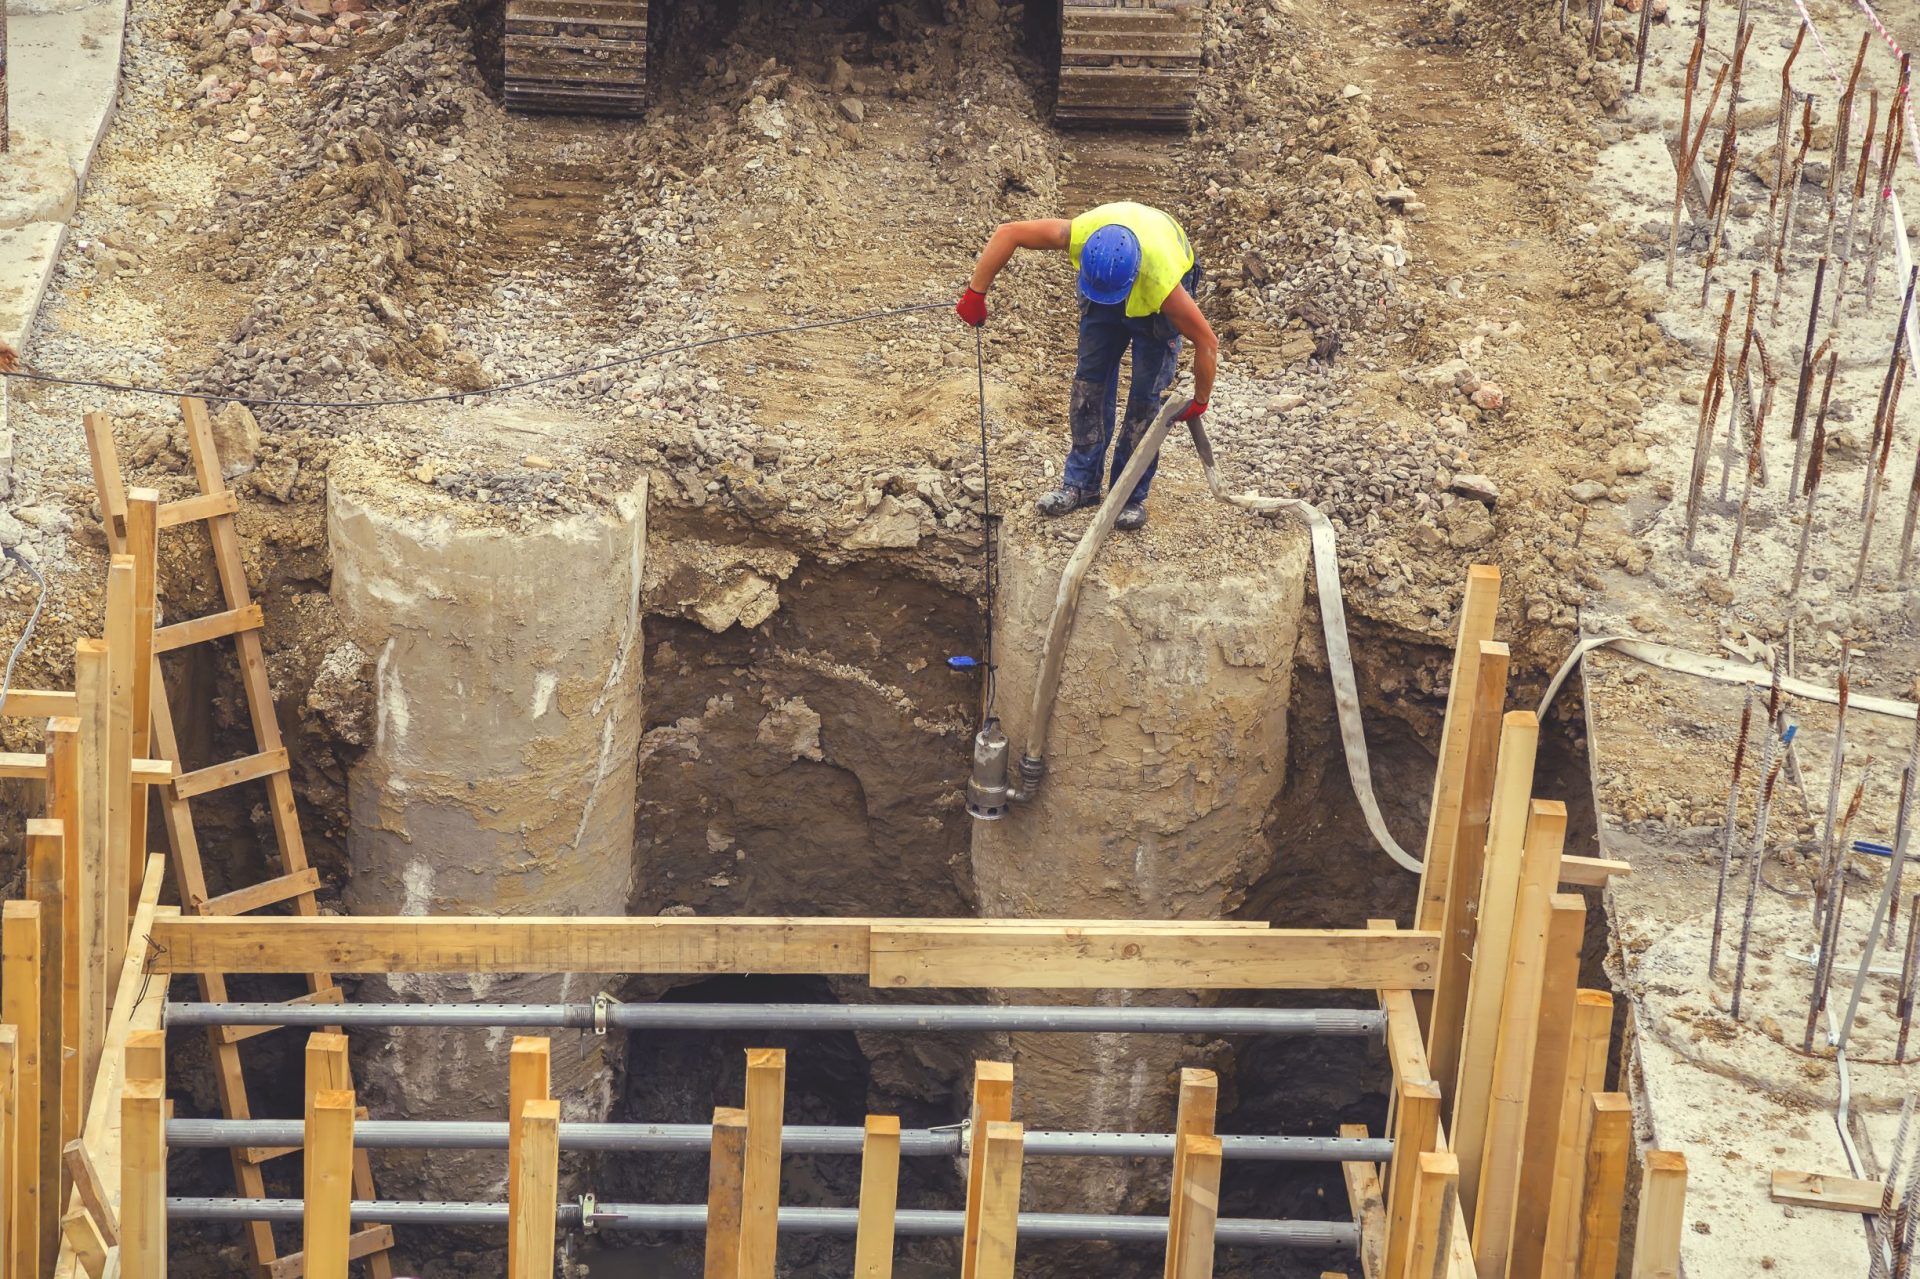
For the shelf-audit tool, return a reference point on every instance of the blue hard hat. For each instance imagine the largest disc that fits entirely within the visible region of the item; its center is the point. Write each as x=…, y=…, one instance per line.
x=1109, y=264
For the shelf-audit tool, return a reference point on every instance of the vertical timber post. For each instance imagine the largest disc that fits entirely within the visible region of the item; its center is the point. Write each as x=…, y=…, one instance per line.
x=1478, y=607
x=724, y=1170
x=992, y=1103
x=143, y=1172
x=1586, y=1075
x=1436, y=1202
x=90, y=683
x=1566, y=929
x=535, y=1188
x=327, y=1222
x=1609, y=1134
x=20, y=1008
x=143, y=544
x=45, y=851
x=879, y=1197
x=995, y=1233
x=1663, y=1212
x=122, y=872
x=529, y=1078
x=1199, y=1194
x=1199, y=1106
x=64, y=783
x=760, y=1176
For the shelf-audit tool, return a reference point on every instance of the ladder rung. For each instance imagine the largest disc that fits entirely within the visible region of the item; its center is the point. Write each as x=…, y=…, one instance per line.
x=199, y=630
x=220, y=776
x=268, y=892
x=235, y=1034
x=361, y=1243
x=203, y=507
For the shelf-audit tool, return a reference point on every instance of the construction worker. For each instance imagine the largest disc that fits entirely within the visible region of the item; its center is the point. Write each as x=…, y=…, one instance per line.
x=1137, y=279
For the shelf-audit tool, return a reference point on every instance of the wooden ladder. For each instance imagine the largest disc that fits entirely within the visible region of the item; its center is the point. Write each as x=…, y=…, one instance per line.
x=297, y=882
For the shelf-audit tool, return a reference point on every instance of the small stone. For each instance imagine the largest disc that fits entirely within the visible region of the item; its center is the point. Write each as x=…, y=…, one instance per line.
x=853, y=109
x=1480, y=488
x=1489, y=396
x=1588, y=491
x=1629, y=459
x=1717, y=591
x=236, y=438
x=433, y=340
x=839, y=76
x=12, y=531
x=537, y=462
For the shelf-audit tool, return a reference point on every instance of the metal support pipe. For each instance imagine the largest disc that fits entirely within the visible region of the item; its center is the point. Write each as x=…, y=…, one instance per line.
x=611, y=1015
x=1241, y=1232
x=796, y=1139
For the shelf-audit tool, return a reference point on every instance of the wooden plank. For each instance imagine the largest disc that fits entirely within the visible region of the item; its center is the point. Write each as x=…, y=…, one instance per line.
x=91, y=1195
x=1493, y=944
x=268, y=892
x=1416, y=1132
x=83, y=1238
x=1609, y=1136
x=1591, y=872
x=992, y=1103
x=879, y=1196
x=122, y=872
x=248, y=768
x=1198, y=1108
x=143, y=544
x=1436, y=1203
x=1199, y=1192
x=20, y=990
x=529, y=1079
x=90, y=679
x=202, y=506
x=199, y=630
x=1449, y=1006
x=534, y=1191
x=1586, y=1075
x=146, y=1055
x=1084, y=959
x=1478, y=607
x=725, y=1168
x=760, y=1171
x=143, y=1180
x=36, y=703
x=9, y=1124
x=368, y=1242
x=45, y=859
x=63, y=804
x=29, y=766
x=1566, y=930
x=1368, y=1205
x=326, y=1222
x=1517, y=1038
x=995, y=1232
x=1827, y=1190
x=326, y=1071
x=98, y=428
x=1663, y=1215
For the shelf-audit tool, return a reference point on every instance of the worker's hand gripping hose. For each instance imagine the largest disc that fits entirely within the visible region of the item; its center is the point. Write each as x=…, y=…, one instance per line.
x=1333, y=623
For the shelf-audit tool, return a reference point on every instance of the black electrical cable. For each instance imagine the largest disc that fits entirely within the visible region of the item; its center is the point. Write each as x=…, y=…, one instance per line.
x=988, y=567
x=446, y=396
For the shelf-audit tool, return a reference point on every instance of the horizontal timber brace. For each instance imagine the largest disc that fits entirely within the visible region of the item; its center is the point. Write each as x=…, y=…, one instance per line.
x=1030, y=954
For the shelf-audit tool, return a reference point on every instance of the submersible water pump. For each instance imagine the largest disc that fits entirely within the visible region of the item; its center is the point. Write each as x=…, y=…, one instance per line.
x=988, y=794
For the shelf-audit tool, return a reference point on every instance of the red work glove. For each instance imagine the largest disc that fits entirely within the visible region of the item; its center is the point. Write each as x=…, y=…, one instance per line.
x=972, y=307
x=1193, y=410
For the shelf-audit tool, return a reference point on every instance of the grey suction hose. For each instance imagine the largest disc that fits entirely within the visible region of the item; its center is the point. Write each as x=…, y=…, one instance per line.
x=1333, y=620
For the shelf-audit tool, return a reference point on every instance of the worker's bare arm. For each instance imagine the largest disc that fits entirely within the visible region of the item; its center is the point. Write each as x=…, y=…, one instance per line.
x=1037, y=233
x=1181, y=309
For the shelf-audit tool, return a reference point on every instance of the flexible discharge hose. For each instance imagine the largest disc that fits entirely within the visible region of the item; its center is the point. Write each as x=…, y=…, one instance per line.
x=1333, y=618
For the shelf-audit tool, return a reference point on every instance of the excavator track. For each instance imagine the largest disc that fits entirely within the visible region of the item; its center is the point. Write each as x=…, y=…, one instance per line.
x=582, y=57
x=1129, y=62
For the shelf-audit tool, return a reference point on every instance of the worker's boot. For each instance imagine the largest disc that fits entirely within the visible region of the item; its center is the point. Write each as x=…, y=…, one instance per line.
x=1133, y=517
x=1066, y=498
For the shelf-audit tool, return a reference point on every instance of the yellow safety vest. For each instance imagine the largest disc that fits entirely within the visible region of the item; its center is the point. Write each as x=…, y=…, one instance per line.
x=1165, y=255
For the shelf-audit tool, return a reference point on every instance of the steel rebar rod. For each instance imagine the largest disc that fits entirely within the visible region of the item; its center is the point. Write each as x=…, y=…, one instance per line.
x=1355, y=1022
x=1703, y=431
x=1902, y=830
x=1784, y=248
x=1816, y=467
x=1727, y=837
x=1741, y=410
x=1853, y=202
x=1756, y=858
x=1876, y=477
x=798, y=1139
x=1238, y=1232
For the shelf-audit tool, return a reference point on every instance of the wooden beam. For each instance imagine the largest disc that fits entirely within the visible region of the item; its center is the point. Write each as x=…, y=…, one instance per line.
x=83, y=1238
x=327, y=1221
x=35, y=703
x=1663, y=1215
x=995, y=1232
x=1455, y=965
x=1118, y=955
x=90, y=1193
x=529, y=1079
x=1566, y=930
x=98, y=429
x=1367, y=1203
x=1085, y=959
x=63, y=805
x=146, y=1055
x=1586, y=1075
x=122, y=873
x=1493, y=946
x=20, y=989
x=198, y=630
x=724, y=1171
x=1827, y=1190
x=1198, y=1109
x=232, y=772
x=91, y=680
x=9, y=1125
x=1199, y=1192
x=1591, y=872
x=1478, y=608
x=534, y=1190
x=760, y=1174
x=27, y=766
x=1417, y=1128
x=201, y=506
x=45, y=859
x=143, y=544
x=1436, y=1205
x=143, y=1180
x=1609, y=1135
x=879, y=1196
x=1517, y=1036
x=992, y=1103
